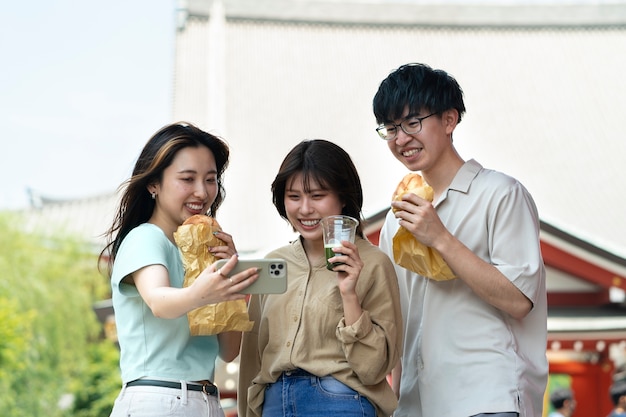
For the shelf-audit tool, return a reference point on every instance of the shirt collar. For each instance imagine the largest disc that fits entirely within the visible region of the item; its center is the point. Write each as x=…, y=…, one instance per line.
x=463, y=179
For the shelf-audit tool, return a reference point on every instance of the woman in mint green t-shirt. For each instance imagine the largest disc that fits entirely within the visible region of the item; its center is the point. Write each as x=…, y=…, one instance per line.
x=166, y=371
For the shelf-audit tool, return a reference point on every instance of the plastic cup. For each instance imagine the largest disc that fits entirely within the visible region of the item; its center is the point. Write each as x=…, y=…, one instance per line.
x=336, y=229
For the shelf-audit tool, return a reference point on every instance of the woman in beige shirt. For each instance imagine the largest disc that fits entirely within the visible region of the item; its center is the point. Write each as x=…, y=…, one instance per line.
x=325, y=346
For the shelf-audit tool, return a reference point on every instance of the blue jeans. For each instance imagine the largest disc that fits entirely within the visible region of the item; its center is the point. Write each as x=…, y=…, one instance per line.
x=298, y=393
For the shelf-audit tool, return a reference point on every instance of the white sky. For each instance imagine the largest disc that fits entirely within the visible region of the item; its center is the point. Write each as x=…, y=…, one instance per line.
x=82, y=87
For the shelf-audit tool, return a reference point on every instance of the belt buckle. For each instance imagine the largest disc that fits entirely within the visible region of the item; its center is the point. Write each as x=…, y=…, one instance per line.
x=204, y=388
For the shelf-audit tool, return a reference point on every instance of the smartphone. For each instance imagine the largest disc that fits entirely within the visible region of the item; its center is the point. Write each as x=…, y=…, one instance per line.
x=272, y=275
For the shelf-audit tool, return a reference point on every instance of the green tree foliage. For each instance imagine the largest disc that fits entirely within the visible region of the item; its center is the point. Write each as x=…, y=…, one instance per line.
x=97, y=390
x=50, y=343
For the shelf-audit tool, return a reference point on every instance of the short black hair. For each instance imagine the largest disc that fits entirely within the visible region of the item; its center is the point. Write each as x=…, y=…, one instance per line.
x=327, y=164
x=559, y=396
x=417, y=87
x=617, y=390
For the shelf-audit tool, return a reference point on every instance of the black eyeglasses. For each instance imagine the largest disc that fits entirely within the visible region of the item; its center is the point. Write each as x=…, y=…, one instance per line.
x=410, y=126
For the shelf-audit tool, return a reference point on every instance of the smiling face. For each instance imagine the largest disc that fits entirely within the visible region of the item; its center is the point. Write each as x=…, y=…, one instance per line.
x=420, y=151
x=305, y=207
x=188, y=186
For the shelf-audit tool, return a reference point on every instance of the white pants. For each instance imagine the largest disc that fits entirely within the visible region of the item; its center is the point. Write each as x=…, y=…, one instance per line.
x=147, y=401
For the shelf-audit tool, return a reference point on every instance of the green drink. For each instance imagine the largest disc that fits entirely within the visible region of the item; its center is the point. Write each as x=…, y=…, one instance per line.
x=329, y=254
x=336, y=229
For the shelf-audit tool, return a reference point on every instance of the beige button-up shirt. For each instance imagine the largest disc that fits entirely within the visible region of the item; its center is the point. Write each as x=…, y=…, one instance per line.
x=304, y=328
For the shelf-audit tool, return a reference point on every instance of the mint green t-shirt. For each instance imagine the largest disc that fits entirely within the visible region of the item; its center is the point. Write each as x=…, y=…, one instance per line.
x=151, y=346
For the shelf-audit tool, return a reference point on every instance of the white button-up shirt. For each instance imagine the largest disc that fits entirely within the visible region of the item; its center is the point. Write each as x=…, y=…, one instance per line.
x=463, y=356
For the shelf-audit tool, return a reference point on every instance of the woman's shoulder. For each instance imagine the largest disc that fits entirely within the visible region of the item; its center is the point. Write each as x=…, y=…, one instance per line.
x=145, y=235
x=289, y=249
x=370, y=251
x=364, y=244
x=146, y=231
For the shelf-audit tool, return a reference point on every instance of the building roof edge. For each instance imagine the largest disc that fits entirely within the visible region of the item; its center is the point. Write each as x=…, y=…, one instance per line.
x=407, y=14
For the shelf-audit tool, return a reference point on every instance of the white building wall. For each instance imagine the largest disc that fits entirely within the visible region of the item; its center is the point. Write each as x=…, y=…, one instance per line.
x=191, y=66
x=544, y=105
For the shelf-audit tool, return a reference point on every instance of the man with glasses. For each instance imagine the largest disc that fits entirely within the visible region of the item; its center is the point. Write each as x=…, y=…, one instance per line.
x=474, y=345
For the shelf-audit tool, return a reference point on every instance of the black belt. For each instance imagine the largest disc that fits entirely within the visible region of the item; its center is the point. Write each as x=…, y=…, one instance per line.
x=295, y=373
x=207, y=388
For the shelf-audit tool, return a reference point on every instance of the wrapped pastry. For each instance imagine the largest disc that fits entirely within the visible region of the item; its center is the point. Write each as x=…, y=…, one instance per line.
x=408, y=252
x=193, y=239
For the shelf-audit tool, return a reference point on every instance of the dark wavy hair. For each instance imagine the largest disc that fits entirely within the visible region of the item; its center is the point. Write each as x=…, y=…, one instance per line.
x=417, y=87
x=136, y=204
x=327, y=164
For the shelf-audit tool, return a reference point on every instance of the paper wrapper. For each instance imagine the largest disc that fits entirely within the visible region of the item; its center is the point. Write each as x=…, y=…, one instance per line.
x=411, y=254
x=193, y=241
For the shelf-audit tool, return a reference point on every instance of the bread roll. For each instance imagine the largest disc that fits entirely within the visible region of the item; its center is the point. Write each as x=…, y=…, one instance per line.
x=202, y=218
x=413, y=183
x=193, y=238
x=212, y=226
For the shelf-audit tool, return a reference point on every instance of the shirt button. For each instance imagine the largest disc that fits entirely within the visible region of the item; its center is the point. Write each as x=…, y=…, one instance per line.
x=295, y=318
x=288, y=344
